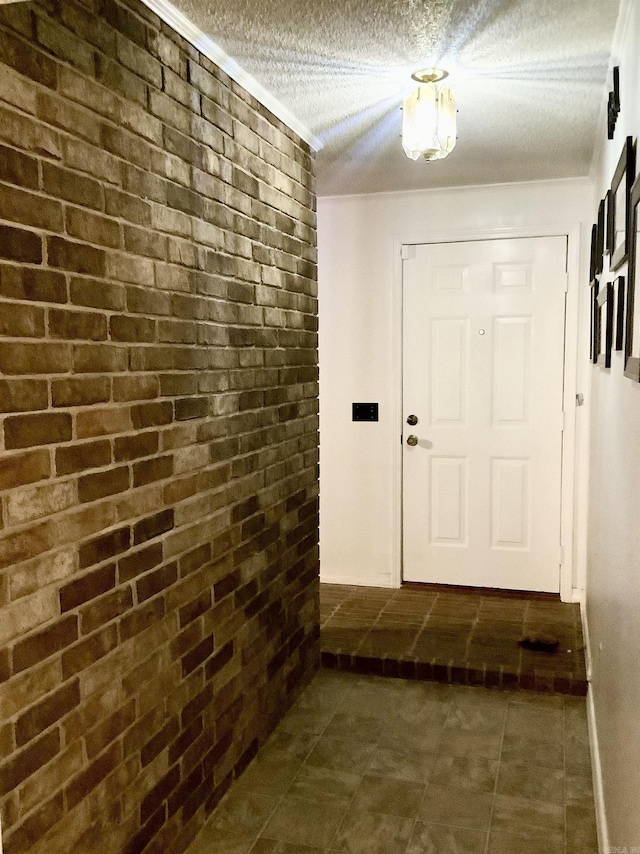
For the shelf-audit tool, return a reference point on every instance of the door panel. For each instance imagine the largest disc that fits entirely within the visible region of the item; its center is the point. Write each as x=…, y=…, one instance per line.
x=483, y=354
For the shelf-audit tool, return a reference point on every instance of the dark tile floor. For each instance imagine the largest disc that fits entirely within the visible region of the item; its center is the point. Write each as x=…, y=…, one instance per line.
x=368, y=765
x=452, y=635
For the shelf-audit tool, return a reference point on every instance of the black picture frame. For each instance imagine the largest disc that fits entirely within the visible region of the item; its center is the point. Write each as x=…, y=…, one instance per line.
x=632, y=336
x=604, y=305
x=594, y=251
x=620, y=293
x=601, y=236
x=613, y=105
x=618, y=230
x=595, y=321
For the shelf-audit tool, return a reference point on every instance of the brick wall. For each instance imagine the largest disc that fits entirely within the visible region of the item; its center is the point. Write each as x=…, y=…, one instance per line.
x=158, y=429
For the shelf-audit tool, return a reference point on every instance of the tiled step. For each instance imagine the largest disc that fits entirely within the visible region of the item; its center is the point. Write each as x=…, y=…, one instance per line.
x=457, y=673
x=452, y=636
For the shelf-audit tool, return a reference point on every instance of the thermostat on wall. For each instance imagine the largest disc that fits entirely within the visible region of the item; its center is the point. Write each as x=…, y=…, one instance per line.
x=364, y=412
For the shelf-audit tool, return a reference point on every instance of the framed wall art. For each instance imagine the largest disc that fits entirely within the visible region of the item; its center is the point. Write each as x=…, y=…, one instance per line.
x=618, y=230
x=604, y=309
x=632, y=337
x=620, y=292
x=601, y=236
x=594, y=252
x=613, y=106
x=595, y=322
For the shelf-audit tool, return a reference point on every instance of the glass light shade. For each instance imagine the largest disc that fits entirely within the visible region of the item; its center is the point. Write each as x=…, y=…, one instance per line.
x=429, y=122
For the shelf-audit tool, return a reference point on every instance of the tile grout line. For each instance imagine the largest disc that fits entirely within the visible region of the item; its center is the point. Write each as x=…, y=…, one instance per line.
x=495, y=786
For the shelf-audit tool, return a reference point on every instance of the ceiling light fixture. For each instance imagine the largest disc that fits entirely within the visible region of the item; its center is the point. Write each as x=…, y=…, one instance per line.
x=429, y=117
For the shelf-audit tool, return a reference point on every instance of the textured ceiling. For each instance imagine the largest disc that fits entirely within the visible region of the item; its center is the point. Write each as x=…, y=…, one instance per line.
x=528, y=76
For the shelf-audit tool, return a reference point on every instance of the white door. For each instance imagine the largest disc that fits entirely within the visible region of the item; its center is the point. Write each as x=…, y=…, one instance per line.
x=483, y=355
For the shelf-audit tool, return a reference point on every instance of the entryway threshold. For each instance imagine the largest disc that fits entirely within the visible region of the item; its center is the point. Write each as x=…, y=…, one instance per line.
x=452, y=635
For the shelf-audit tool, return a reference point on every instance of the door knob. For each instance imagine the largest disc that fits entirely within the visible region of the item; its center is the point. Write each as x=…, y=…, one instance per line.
x=412, y=420
x=412, y=440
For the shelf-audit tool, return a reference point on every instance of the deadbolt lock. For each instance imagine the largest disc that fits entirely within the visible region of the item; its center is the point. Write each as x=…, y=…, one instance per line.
x=412, y=440
x=412, y=420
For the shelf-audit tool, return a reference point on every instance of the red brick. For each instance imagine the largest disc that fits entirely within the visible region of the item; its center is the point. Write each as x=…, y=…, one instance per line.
x=93, y=228
x=151, y=414
x=76, y=257
x=21, y=469
x=47, y=712
x=159, y=741
x=41, y=645
x=18, y=168
x=136, y=563
x=196, y=608
x=77, y=658
x=65, y=45
x=19, y=245
x=63, y=114
x=87, y=587
x=135, y=387
x=145, y=242
x=71, y=186
x=159, y=793
x=127, y=206
x=149, y=471
x=153, y=526
x=133, y=447
x=20, y=839
x=141, y=618
x=28, y=761
x=98, y=358
x=41, y=358
x=95, y=773
x=30, y=209
x=108, y=731
x=83, y=456
x=25, y=431
x=145, y=301
x=27, y=283
x=97, y=294
x=101, y=484
x=155, y=582
x=197, y=655
x=105, y=609
x=82, y=325
x=102, y=421
x=104, y=547
x=23, y=395
x=125, y=328
x=80, y=391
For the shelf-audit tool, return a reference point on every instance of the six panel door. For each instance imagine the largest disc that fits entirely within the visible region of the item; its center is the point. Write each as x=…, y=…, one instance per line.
x=483, y=355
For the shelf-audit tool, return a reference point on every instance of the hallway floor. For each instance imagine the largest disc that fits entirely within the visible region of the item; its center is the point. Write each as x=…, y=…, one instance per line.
x=368, y=765
x=452, y=635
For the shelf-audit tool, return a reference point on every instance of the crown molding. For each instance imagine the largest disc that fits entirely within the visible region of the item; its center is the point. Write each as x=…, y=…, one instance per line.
x=193, y=34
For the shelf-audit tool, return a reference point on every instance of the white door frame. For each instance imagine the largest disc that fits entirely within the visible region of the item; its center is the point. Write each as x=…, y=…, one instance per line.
x=572, y=233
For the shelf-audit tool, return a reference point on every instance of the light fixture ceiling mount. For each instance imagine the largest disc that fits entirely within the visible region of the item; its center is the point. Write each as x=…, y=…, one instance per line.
x=429, y=75
x=429, y=117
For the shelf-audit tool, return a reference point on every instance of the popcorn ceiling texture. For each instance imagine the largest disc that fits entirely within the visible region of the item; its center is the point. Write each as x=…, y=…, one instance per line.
x=529, y=78
x=158, y=429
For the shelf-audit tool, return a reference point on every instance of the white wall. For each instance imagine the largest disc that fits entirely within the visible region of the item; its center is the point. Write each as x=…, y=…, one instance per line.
x=358, y=352
x=613, y=586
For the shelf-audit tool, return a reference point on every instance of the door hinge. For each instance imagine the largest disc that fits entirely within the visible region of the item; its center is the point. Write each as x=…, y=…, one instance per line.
x=564, y=421
x=566, y=283
x=561, y=555
x=407, y=251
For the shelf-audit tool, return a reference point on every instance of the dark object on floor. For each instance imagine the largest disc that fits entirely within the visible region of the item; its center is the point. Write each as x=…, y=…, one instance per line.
x=539, y=643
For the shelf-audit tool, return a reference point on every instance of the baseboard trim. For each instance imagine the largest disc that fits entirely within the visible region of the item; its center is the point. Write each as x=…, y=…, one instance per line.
x=354, y=580
x=586, y=637
x=594, y=744
x=596, y=770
